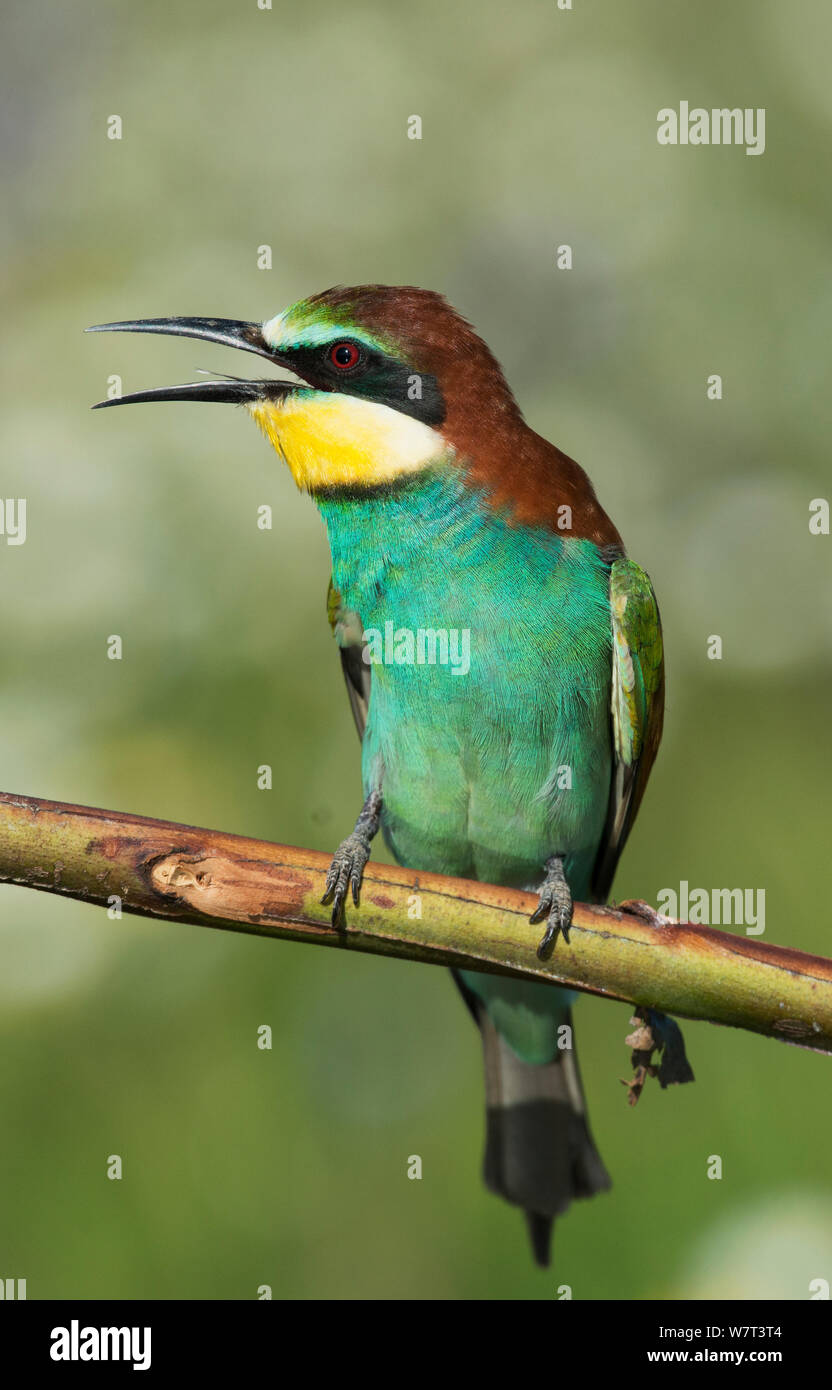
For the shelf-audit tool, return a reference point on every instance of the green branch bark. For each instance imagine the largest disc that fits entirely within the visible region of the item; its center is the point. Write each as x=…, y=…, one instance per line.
x=630, y=953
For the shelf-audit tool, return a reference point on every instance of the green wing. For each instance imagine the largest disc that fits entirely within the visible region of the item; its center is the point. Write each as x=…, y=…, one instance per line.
x=637, y=708
x=348, y=629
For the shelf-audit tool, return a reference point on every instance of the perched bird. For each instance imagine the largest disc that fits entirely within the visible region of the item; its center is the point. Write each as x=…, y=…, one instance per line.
x=517, y=754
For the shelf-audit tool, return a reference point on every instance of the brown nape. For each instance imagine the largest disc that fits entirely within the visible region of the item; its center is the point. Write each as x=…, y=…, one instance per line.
x=522, y=471
x=533, y=480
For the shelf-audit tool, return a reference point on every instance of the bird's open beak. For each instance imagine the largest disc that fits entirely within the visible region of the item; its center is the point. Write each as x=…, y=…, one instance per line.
x=229, y=332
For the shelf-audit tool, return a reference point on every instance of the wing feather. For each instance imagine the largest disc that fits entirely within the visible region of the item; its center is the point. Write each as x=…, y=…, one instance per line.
x=347, y=629
x=637, y=708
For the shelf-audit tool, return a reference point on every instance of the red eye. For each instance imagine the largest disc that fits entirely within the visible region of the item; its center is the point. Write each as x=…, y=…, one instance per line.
x=344, y=355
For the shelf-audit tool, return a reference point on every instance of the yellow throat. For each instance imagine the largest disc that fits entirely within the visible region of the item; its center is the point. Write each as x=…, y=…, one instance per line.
x=333, y=440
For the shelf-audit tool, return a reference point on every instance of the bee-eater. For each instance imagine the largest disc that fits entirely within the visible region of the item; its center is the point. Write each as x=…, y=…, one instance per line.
x=523, y=764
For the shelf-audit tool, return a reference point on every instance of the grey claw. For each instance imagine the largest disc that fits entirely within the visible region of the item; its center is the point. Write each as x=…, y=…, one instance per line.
x=555, y=904
x=345, y=873
x=559, y=920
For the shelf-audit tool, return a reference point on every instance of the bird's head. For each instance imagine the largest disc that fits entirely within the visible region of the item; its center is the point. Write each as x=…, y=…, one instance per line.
x=392, y=382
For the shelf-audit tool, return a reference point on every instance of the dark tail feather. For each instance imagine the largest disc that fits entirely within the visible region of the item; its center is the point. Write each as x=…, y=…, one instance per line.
x=539, y=1153
x=540, y=1234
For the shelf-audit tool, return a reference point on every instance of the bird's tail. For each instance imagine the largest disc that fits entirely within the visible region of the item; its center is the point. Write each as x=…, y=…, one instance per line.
x=539, y=1152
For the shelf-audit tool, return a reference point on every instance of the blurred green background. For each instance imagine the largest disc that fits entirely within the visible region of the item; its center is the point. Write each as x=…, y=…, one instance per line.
x=287, y=127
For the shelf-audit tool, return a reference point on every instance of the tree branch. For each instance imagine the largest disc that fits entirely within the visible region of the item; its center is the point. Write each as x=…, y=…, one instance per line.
x=630, y=953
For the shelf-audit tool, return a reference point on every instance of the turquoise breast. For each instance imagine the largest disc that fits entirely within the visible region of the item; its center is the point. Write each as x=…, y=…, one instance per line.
x=488, y=728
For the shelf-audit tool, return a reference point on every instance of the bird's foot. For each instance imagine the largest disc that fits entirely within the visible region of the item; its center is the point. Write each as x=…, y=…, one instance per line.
x=555, y=904
x=346, y=872
x=347, y=868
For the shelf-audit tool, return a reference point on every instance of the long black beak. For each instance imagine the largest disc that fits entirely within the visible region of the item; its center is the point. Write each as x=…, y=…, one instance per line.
x=228, y=332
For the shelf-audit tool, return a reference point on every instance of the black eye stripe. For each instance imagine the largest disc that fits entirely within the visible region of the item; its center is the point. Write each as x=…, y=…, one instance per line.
x=373, y=376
